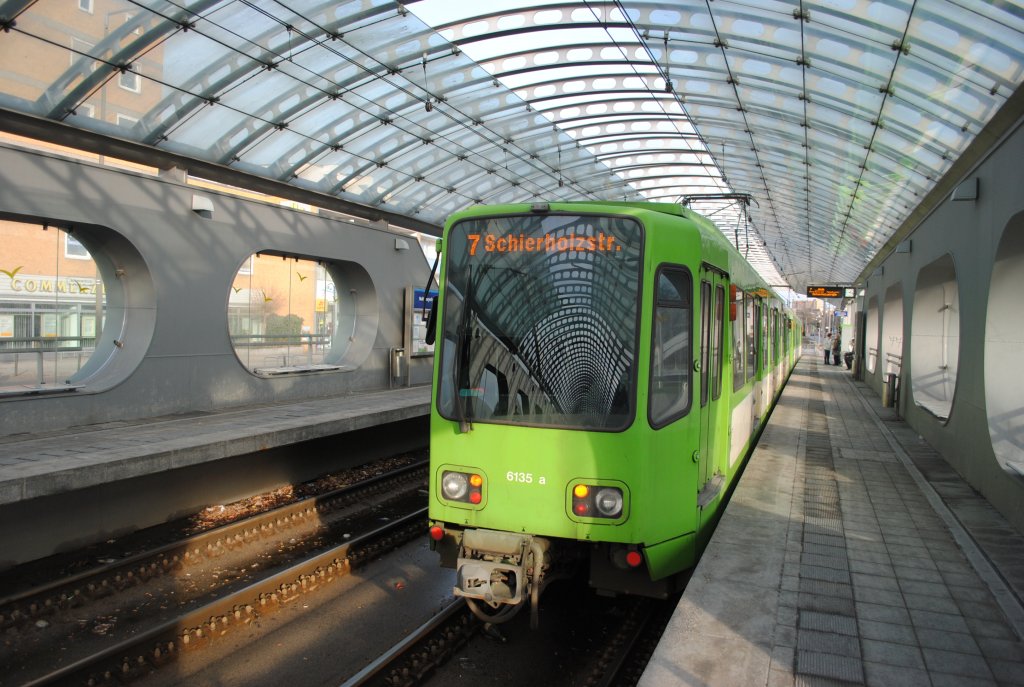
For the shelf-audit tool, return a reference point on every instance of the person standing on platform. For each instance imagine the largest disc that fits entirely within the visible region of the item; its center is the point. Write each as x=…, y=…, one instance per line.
x=828, y=347
x=837, y=348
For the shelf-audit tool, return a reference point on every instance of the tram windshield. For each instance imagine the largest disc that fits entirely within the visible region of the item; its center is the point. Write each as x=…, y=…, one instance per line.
x=540, y=321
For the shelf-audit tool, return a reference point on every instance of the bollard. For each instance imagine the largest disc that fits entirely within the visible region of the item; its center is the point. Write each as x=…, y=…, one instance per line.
x=889, y=391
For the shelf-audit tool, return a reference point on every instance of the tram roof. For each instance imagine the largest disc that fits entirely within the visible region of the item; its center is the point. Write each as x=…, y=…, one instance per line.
x=812, y=132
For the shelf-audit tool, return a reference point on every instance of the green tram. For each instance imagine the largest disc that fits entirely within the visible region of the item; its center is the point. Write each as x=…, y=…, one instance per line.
x=602, y=372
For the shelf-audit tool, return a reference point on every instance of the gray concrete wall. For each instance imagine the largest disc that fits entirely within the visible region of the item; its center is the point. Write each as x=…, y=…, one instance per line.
x=176, y=270
x=970, y=231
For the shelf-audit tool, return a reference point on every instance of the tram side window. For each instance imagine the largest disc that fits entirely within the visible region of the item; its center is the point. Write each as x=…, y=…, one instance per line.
x=716, y=343
x=739, y=345
x=671, y=343
x=705, y=340
x=752, y=313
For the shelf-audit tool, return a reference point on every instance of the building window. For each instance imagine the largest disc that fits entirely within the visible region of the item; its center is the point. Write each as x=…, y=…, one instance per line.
x=75, y=250
x=130, y=81
x=85, y=5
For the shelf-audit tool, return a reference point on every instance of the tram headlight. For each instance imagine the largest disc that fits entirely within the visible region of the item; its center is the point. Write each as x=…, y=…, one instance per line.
x=597, y=501
x=608, y=501
x=465, y=487
x=454, y=485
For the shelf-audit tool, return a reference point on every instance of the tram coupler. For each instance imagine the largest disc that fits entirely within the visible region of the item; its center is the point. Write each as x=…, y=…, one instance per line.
x=500, y=568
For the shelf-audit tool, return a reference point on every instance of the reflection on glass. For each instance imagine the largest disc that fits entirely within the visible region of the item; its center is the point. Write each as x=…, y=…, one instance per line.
x=52, y=307
x=540, y=321
x=282, y=314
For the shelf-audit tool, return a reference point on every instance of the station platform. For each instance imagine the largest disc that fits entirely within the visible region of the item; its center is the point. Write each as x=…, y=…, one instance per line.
x=850, y=553
x=36, y=465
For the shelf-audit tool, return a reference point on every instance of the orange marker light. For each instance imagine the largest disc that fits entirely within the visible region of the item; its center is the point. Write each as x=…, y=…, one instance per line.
x=476, y=480
x=437, y=533
x=580, y=491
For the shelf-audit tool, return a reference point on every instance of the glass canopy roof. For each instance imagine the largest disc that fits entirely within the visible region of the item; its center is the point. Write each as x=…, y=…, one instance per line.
x=814, y=126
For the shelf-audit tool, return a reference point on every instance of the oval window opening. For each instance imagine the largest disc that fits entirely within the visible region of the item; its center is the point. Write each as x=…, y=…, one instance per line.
x=52, y=309
x=289, y=315
x=935, y=337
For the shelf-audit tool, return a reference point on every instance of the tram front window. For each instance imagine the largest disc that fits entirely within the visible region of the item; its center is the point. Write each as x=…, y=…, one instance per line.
x=543, y=307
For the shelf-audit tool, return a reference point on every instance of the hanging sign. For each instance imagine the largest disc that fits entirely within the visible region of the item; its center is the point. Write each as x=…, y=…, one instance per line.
x=826, y=291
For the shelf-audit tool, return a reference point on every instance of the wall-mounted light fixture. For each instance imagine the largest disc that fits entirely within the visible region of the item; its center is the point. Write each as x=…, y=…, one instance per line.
x=202, y=206
x=968, y=190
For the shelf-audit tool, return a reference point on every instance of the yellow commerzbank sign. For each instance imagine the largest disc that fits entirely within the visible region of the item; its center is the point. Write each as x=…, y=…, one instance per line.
x=48, y=284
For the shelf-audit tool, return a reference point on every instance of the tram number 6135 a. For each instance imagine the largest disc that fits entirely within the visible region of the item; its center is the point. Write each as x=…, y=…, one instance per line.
x=523, y=477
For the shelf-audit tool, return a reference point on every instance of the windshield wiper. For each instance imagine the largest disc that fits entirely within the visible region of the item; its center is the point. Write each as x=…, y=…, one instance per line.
x=462, y=358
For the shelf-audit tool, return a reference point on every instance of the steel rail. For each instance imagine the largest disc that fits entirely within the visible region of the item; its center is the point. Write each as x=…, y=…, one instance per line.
x=248, y=599
x=391, y=657
x=297, y=509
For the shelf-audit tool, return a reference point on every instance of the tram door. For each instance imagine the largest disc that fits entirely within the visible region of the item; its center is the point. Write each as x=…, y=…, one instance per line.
x=712, y=308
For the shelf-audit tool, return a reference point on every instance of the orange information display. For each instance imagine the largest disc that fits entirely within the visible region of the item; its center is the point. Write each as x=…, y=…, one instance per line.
x=826, y=291
x=548, y=243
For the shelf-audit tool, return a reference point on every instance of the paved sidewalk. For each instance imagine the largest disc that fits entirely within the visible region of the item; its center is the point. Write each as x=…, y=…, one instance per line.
x=39, y=465
x=839, y=562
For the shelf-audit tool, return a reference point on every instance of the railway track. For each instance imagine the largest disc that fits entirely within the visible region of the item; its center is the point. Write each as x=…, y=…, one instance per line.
x=128, y=617
x=619, y=635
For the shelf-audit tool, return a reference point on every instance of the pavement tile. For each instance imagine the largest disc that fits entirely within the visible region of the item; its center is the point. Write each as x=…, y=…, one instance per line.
x=826, y=604
x=968, y=665
x=1007, y=672
x=810, y=586
x=883, y=569
x=938, y=621
x=947, y=556
x=919, y=574
x=970, y=595
x=911, y=586
x=910, y=556
x=783, y=657
x=877, y=596
x=961, y=579
x=780, y=678
x=882, y=613
x=816, y=572
x=887, y=632
x=826, y=540
x=827, y=643
x=983, y=610
x=891, y=653
x=827, y=622
x=947, y=680
x=881, y=557
x=884, y=582
x=931, y=603
x=930, y=638
x=784, y=636
x=990, y=629
x=830, y=666
x=1007, y=650
x=882, y=675
x=835, y=562
x=785, y=616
